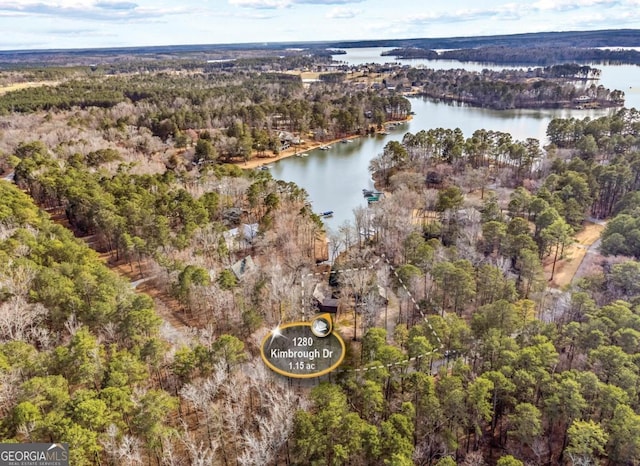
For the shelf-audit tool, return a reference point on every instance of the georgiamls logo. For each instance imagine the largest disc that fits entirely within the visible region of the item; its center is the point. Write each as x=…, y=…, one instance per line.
x=34, y=454
x=56, y=445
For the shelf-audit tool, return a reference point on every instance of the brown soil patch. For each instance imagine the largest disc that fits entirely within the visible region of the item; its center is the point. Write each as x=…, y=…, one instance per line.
x=423, y=217
x=391, y=313
x=344, y=324
x=589, y=234
x=321, y=247
x=131, y=271
x=476, y=198
x=167, y=307
x=567, y=267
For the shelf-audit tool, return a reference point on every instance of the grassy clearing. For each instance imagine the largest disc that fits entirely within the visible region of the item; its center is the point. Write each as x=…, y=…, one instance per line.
x=309, y=75
x=19, y=86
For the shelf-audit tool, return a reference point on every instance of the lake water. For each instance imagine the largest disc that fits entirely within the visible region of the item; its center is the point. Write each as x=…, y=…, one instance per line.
x=335, y=178
x=625, y=78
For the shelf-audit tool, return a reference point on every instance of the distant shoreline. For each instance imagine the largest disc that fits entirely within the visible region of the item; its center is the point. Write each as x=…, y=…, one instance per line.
x=533, y=105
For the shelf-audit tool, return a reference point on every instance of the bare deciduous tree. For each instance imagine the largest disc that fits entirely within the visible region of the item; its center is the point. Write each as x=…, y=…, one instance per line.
x=200, y=453
x=16, y=279
x=125, y=450
x=18, y=318
x=72, y=324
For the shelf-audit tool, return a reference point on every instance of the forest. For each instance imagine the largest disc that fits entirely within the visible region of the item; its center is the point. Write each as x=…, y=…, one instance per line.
x=536, y=55
x=127, y=332
x=243, y=111
x=549, y=87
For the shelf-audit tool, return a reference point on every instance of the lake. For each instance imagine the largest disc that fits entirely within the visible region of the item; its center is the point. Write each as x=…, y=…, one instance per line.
x=335, y=178
x=625, y=78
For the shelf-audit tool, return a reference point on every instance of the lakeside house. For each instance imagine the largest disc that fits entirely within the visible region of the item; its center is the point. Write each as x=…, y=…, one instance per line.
x=288, y=139
x=324, y=301
x=583, y=99
x=241, y=237
x=243, y=267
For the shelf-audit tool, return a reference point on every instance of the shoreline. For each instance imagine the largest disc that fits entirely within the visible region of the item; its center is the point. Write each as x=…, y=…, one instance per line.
x=545, y=105
x=257, y=162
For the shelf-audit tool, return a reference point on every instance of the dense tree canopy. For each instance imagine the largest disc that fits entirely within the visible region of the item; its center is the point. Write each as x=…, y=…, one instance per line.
x=459, y=354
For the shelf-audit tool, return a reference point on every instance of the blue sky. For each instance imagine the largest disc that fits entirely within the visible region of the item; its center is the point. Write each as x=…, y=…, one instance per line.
x=29, y=24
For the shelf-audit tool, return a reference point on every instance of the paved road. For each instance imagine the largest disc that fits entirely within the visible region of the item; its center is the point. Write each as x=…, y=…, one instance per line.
x=136, y=283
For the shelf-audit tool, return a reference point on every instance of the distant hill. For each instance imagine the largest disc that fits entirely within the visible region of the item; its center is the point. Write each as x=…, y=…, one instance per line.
x=583, y=39
x=83, y=56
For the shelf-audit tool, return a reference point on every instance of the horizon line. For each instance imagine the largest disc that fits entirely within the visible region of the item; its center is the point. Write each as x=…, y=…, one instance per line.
x=276, y=44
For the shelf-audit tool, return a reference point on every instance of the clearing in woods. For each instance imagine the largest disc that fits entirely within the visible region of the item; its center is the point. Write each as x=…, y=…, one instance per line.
x=19, y=86
x=574, y=254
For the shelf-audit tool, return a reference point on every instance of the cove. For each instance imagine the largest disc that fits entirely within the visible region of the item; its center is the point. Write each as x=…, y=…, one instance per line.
x=334, y=179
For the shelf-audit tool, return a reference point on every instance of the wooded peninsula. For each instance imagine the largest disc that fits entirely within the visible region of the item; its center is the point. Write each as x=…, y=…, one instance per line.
x=550, y=87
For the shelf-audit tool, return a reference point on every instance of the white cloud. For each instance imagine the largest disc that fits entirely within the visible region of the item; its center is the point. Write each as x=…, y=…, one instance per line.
x=327, y=2
x=515, y=11
x=52, y=22
x=259, y=16
x=505, y=12
x=103, y=10
x=343, y=13
x=566, y=5
x=274, y=4
x=596, y=20
x=108, y=5
x=261, y=4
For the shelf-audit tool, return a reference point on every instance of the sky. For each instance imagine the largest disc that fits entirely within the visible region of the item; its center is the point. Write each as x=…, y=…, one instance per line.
x=45, y=24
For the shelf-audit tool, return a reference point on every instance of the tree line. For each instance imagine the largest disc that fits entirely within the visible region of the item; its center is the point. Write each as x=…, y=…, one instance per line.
x=550, y=87
x=526, y=55
x=607, y=151
x=243, y=111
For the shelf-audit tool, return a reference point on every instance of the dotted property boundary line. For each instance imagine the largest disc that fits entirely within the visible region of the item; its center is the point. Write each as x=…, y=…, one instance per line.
x=413, y=300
